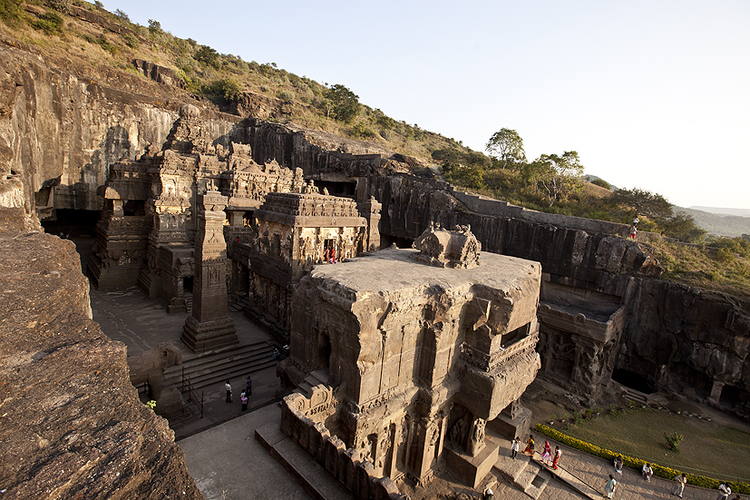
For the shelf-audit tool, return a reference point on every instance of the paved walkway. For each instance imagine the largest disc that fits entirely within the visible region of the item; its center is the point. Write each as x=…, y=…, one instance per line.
x=594, y=472
x=227, y=462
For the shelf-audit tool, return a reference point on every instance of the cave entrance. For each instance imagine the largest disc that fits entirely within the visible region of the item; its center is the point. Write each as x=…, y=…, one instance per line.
x=345, y=189
x=79, y=226
x=324, y=352
x=187, y=284
x=633, y=380
x=734, y=398
x=387, y=240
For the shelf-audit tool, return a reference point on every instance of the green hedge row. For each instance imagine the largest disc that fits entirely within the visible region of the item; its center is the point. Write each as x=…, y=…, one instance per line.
x=659, y=470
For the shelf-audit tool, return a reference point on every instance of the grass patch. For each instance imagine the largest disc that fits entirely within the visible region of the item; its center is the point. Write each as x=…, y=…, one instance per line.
x=50, y=23
x=708, y=448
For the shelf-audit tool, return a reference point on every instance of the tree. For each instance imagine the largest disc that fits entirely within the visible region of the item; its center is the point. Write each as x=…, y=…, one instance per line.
x=154, y=26
x=642, y=202
x=207, y=55
x=506, y=146
x=342, y=104
x=556, y=176
x=122, y=15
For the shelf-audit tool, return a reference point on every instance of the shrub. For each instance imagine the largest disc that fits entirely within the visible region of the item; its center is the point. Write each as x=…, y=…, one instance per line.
x=10, y=11
x=601, y=183
x=225, y=90
x=51, y=23
x=122, y=15
x=342, y=103
x=207, y=55
x=154, y=26
x=637, y=463
x=362, y=131
x=284, y=96
x=673, y=441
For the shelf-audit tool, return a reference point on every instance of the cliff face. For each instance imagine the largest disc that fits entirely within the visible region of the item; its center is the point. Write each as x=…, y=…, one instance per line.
x=71, y=423
x=58, y=127
x=690, y=341
x=64, y=126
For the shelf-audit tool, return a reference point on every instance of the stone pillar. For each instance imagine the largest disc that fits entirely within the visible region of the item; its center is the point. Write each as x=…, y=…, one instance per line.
x=209, y=325
x=370, y=210
x=715, y=396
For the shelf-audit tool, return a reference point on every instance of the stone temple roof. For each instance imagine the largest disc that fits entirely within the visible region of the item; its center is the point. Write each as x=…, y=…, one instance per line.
x=395, y=270
x=310, y=210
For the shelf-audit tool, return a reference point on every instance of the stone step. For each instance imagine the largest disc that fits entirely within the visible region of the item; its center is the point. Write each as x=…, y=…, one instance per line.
x=311, y=475
x=225, y=372
x=218, y=366
x=212, y=358
x=635, y=396
x=532, y=479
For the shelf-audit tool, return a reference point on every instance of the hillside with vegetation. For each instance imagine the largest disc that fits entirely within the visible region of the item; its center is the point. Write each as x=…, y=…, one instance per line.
x=78, y=34
x=63, y=30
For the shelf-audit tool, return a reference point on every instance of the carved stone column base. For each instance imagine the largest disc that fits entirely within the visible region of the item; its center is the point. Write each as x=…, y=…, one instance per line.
x=509, y=427
x=209, y=335
x=472, y=470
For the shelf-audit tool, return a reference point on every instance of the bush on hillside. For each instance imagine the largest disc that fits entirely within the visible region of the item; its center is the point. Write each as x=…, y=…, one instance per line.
x=601, y=183
x=51, y=23
x=10, y=11
x=224, y=91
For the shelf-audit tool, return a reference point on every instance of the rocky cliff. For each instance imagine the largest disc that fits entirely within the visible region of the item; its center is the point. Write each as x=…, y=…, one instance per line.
x=71, y=423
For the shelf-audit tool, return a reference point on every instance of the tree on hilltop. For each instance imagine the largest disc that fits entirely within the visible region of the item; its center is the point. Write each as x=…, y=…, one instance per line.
x=342, y=104
x=506, y=146
x=557, y=177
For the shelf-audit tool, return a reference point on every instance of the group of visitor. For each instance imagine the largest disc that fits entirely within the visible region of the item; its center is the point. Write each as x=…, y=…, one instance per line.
x=244, y=395
x=548, y=458
x=610, y=487
x=329, y=255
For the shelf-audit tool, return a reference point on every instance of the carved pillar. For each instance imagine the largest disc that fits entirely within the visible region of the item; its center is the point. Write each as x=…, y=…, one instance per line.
x=209, y=325
x=370, y=210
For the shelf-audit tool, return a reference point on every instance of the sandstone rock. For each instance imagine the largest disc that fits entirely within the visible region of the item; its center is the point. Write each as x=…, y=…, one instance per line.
x=72, y=424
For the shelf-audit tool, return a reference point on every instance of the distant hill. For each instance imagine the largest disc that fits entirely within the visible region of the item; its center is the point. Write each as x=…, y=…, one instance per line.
x=740, y=212
x=718, y=224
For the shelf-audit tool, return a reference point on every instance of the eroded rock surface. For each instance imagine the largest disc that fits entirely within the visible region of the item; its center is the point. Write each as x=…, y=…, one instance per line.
x=71, y=423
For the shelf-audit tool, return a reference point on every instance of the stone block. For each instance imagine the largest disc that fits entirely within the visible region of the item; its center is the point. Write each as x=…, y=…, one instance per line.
x=472, y=470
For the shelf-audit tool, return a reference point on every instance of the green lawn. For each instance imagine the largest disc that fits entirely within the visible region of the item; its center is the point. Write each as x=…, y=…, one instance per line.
x=708, y=448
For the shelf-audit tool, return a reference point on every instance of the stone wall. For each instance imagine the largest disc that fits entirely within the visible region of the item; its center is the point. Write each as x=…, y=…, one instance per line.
x=691, y=342
x=58, y=124
x=357, y=476
x=72, y=425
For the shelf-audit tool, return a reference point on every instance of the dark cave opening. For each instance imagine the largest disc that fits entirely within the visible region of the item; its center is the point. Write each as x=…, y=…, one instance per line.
x=78, y=226
x=633, y=380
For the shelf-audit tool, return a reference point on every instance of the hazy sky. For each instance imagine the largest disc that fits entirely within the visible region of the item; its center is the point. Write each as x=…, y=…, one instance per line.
x=652, y=94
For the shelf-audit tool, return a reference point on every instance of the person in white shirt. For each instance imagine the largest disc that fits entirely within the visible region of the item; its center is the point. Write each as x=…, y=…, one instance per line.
x=647, y=472
x=228, y=388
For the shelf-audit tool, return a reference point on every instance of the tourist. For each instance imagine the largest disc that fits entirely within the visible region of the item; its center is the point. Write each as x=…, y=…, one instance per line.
x=609, y=488
x=547, y=453
x=515, y=445
x=249, y=386
x=724, y=492
x=556, y=459
x=647, y=472
x=326, y=257
x=679, y=488
x=618, y=464
x=529, y=450
x=243, y=400
x=332, y=256
x=488, y=494
x=228, y=388
x=633, y=232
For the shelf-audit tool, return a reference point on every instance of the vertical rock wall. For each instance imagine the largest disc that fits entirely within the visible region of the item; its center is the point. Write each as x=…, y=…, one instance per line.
x=71, y=423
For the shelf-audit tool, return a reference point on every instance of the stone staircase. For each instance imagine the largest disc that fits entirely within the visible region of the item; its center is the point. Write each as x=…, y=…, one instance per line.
x=524, y=473
x=634, y=396
x=230, y=363
x=313, y=378
x=239, y=303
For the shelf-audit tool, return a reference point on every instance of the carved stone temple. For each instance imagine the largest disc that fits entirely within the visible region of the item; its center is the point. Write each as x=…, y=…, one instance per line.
x=406, y=360
x=209, y=326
